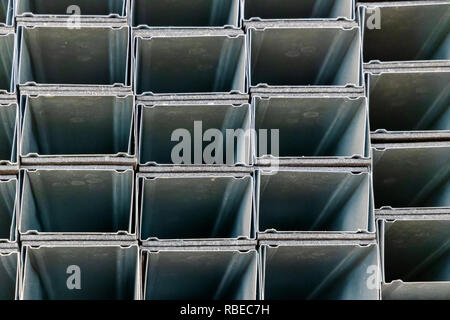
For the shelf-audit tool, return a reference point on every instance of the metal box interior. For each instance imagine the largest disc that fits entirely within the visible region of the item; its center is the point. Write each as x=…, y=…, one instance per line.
x=180, y=13
x=318, y=272
x=108, y=272
x=98, y=125
x=97, y=55
x=293, y=201
x=313, y=127
x=212, y=206
x=77, y=201
x=201, y=275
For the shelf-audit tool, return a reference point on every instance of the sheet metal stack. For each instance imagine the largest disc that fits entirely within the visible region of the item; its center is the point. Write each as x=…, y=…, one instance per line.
x=9, y=165
x=77, y=151
x=407, y=66
x=232, y=149
x=197, y=215
x=315, y=225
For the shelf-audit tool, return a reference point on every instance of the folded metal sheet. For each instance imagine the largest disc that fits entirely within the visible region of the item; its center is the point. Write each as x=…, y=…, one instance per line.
x=416, y=259
x=180, y=13
x=310, y=127
x=80, y=272
x=409, y=104
x=9, y=274
x=412, y=175
x=189, y=61
x=7, y=60
x=295, y=203
x=304, y=54
x=293, y=10
x=6, y=12
x=316, y=271
x=68, y=204
x=101, y=128
x=58, y=8
x=8, y=208
x=166, y=126
x=98, y=53
x=9, y=118
x=200, y=274
x=213, y=207
x=408, y=31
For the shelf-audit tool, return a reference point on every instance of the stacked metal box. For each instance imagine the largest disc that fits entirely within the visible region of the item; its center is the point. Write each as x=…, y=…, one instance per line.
x=315, y=226
x=77, y=151
x=407, y=66
x=226, y=149
x=196, y=214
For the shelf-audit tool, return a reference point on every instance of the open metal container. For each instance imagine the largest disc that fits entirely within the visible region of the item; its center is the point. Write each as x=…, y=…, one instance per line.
x=409, y=31
x=415, y=254
x=180, y=132
x=310, y=270
x=181, y=13
x=9, y=273
x=214, y=209
x=409, y=104
x=97, y=51
x=101, y=125
x=310, y=129
x=9, y=210
x=189, y=61
x=80, y=271
x=305, y=55
x=65, y=8
x=200, y=273
x=6, y=13
x=9, y=127
x=302, y=203
x=412, y=176
x=8, y=57
x=268, y=10
x=75, y=203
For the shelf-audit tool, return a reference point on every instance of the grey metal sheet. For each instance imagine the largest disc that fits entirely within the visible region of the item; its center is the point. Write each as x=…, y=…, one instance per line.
x=312, y=126
x=159, y=121
x=337, y=272
x=309, y=91
x=198, y=244
x=200, y=274
x=294, y=202
x=399, y=290
x=388, y=213
x=98, y=54
x=103, y=198
x=292, y=9
x=7, y=60
x=36, y=8
x=408, y=31
x=189, y=61
x=107, y=272
x=8, y=209
x=411, y=174
x=304, y=54
x=410, y=105
x=101, y=129
x=213, y=207
x=9, y=116
x=180, y=13
x=203, y=169
x=6, y=12
x=416, y=256
x=9, y=275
